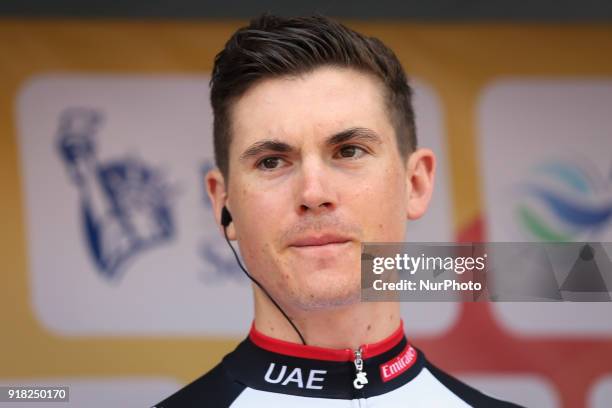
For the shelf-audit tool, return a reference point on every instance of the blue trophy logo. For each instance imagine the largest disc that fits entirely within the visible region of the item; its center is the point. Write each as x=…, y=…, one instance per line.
x=124, y=203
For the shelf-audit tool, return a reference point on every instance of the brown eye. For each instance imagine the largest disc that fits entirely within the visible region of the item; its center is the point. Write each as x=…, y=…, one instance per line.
x=269, y=163
x=351, y=152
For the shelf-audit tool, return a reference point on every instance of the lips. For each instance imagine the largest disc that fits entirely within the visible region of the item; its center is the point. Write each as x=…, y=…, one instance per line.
x=319, y=240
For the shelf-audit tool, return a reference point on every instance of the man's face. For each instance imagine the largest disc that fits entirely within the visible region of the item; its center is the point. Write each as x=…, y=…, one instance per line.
x=314, y=171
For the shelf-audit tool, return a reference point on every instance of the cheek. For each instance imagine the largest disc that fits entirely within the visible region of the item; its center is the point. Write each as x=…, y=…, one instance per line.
x=256, y=230
x=380, y=205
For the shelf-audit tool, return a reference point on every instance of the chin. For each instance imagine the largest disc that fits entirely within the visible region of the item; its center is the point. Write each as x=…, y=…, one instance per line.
x=330, y=296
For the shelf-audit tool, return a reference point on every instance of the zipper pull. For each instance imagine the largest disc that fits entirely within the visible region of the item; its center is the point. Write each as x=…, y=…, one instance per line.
x=360, y=376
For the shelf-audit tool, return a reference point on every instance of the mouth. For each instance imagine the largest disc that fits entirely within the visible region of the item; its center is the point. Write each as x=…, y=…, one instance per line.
x=320, y=241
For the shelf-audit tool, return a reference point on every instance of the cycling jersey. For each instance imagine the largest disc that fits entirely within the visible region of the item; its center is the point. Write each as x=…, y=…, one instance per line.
x=266, y=372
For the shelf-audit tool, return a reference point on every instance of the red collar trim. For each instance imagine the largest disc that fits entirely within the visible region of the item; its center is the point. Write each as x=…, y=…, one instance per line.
x=322, y=353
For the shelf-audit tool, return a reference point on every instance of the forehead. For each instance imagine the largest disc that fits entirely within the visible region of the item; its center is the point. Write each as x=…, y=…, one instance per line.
x=309, y=107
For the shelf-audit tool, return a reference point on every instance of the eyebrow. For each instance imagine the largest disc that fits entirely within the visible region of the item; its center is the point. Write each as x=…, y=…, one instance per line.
x=275, y=145
x=354, y=134
x=267, y=145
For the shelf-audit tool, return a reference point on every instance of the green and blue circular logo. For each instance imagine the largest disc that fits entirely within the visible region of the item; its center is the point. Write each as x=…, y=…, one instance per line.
x=563, y=201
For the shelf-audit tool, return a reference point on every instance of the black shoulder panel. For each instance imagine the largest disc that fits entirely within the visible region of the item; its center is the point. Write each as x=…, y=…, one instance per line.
x=214, y=389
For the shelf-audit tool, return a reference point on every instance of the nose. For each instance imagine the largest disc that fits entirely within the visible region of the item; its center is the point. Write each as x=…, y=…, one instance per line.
x=315, y=190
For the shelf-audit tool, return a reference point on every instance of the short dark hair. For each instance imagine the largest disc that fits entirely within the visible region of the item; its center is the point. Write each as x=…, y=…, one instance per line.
x=272, y=46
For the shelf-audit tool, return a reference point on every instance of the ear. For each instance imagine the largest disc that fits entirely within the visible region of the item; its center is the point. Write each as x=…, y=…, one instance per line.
x=420, y=176
x=217, y=192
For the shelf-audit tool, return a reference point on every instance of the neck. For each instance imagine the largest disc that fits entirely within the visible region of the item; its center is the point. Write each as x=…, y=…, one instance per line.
x=339, y=328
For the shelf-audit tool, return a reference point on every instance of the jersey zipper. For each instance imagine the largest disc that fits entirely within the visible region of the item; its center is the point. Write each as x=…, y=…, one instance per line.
x=361, y=378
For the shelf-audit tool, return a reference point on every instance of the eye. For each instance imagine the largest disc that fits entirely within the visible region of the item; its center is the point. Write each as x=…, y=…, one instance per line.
x=351, y=152
x=269, y=163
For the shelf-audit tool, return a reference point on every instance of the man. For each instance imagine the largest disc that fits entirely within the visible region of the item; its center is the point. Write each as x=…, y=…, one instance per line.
x=316, y=152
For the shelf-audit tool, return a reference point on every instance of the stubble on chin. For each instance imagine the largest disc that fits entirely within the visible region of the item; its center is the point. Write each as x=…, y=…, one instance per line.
x=324, y=298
